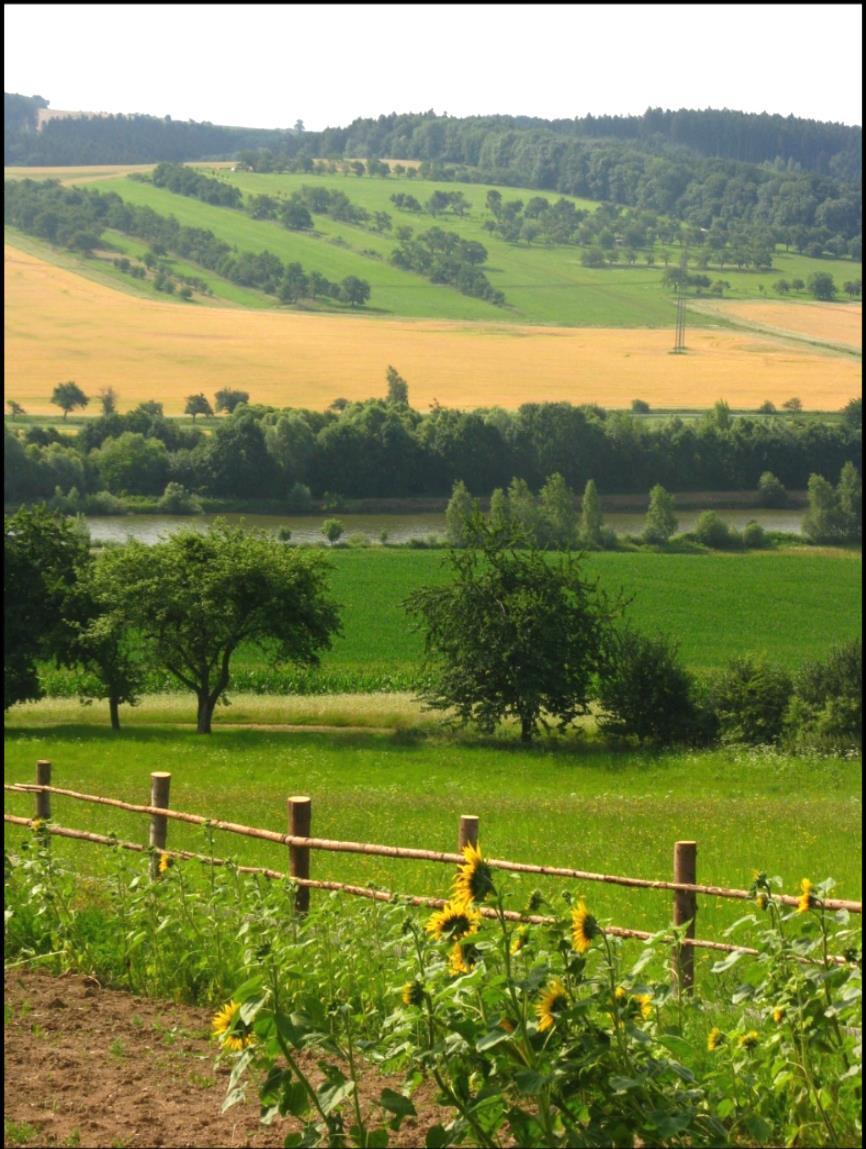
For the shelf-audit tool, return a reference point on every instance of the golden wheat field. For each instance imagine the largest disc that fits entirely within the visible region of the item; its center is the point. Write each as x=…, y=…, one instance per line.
x=60, y=326
x=837, y=323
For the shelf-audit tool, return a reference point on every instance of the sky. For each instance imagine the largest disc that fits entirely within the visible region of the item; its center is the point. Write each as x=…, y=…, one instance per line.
x=261, y=65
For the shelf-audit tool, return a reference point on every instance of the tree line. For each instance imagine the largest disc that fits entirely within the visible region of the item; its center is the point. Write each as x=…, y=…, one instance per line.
x=77, y=217
x=514, y=634
x=383, y=448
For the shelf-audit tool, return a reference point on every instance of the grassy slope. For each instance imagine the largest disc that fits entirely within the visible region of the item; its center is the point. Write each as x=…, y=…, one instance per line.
x=542, y=285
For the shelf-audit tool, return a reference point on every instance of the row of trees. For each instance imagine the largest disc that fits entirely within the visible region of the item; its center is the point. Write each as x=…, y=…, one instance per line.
x=189, y=182
x=384, y=448
x=445, y=257
x=514, y=634
x=77, y=217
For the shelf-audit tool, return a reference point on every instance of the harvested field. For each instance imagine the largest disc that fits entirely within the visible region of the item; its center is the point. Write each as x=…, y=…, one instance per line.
x=61, y=326
x=826, y=323
x=86, y=174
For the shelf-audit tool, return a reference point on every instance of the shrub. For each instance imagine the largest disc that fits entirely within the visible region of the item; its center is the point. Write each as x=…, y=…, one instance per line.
x=753, y=536
x=771, y=492
x=750, y=699
x=103, y=503
x=712, y=531
x=644, y=690
x=177, y=500
x=826, y=706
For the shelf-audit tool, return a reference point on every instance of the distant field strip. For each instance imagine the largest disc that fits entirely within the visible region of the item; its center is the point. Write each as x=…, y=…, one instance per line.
x=824, y=323
x=61, y=326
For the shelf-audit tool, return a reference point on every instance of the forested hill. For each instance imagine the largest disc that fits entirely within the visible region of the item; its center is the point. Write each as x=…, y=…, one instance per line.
x=800, y=178
x=118, y=139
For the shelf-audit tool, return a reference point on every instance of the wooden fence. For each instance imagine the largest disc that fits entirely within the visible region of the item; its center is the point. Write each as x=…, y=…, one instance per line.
x=300, y=843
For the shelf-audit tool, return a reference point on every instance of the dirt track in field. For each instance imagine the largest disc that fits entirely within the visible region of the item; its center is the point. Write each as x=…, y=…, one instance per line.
x=89, y=1066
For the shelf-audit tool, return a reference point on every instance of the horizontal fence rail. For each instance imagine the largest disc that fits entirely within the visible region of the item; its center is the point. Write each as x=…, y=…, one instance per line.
x=414, y=854
x=300, y=843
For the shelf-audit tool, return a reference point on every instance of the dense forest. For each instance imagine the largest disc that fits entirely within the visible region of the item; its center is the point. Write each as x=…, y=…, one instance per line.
x=384, y=448
x=799, y=177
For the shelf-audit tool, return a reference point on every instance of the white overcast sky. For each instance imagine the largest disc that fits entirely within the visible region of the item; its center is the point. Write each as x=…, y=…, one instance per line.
x=261, y=65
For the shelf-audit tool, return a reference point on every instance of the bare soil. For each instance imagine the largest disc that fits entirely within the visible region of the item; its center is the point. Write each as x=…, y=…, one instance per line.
x=88, y=1066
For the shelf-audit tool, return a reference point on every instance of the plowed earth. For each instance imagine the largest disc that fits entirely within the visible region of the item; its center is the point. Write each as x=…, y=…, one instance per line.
x=89, y=1066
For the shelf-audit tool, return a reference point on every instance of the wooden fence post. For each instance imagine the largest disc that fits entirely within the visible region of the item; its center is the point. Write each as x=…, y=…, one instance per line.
x=43, y=800
x=467, y=835
x=685, y=910
x=300, y=820
x=159, y=787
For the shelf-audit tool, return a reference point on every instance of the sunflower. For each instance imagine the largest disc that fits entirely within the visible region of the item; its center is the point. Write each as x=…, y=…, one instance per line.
x=643, y=1004
x=807, y=898
x=779, y=1014
x=761, y=901
x=228, y=1028
x=462, y=958
x=715, y=1038
x=453, y=922
x=620, y=993
x=584, y=928
x=165, y=863
x=413, y=993
x=519, y=940
x=474, y=880
x=748, y=1040
x=36, y=824
x=554, y=1001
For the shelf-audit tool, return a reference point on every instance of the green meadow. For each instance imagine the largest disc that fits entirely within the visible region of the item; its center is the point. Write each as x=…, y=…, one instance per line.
x=546, y=285
x=789, y=606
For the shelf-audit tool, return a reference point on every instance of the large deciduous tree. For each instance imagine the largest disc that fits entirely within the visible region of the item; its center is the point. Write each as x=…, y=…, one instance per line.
x=43, y=555
x=515, y=633
x=195, y=598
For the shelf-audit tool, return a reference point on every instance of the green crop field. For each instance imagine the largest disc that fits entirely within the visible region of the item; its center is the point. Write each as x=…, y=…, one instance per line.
x=542, y=284
x=789, y=606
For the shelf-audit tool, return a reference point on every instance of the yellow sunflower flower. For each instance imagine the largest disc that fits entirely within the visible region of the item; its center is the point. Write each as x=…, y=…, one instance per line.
x=454, y=922
x=715, y=1038
x=554, y=1001
x=584, y=928
x=761, y=901
x=807, y=898
x=519, y=940
x=461, y=959
x=232, y=1033
x=37, y=824
x=413, y=993
x=643, y=1002
x=474, y=879
x=165, y=863
x=779, y=1014
x=748, y=1040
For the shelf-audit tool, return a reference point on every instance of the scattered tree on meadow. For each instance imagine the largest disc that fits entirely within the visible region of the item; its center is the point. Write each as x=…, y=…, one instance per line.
x=793, y=404
x=559, y=512
x=68, y=396
x=15, y=408
x=822, y=285
x=515, y=633
x=108, y=400
x=822, y=521
x=398, y=388
x=195, y=598
x=354, y=291
x=228, y=398
x=644, y=690
x=458, y=515
x=197, y=405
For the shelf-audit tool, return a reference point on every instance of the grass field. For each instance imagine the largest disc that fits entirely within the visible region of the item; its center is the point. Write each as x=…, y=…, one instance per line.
x=62, y=326
x=790, y=607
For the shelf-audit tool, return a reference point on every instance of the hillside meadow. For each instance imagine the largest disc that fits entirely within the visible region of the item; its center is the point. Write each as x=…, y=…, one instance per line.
x=60, y=326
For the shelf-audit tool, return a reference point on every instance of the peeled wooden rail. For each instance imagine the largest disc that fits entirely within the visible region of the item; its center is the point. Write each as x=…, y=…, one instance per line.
x=370, y=892
x=413, y=854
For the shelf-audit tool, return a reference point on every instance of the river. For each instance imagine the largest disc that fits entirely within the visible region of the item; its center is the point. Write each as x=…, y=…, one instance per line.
x=400, y=528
